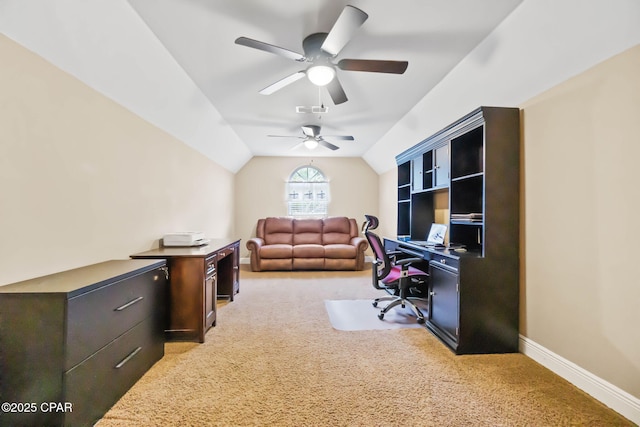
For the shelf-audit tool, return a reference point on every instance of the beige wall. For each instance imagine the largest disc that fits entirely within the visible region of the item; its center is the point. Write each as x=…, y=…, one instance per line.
x=581, y=289
x=84, y=180
x=261, y=192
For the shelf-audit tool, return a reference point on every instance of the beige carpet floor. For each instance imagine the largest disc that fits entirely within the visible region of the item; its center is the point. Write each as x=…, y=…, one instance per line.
x=275, y=360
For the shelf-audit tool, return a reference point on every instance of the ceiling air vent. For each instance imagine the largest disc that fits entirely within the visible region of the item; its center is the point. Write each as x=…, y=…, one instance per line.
x=316, y=109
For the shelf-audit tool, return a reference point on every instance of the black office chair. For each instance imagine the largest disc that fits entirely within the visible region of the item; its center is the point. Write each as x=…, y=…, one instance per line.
x=393, y=273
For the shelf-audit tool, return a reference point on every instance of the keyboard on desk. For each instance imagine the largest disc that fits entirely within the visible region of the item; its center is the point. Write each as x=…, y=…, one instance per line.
x=426, y=244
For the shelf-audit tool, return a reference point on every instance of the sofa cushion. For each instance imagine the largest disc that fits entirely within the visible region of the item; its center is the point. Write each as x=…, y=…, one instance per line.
x=285, y=264
x=278, y=250
x=336, y=230
x=278, y=231
x=341, y=264
x=308, y=251
x=340, y=251
x=308, y=263
x=307, y=231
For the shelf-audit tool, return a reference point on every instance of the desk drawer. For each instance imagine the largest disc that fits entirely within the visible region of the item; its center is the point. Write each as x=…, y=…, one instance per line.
x=98, y=317
x=98, y=382
x=444, y=261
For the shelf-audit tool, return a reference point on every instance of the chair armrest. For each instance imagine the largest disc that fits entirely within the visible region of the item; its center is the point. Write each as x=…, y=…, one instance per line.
x=406, y=261
x=393, y=255
x=255, y=243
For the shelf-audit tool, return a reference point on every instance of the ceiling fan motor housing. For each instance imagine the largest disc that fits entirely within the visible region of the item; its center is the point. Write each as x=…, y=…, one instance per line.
x=311, y=46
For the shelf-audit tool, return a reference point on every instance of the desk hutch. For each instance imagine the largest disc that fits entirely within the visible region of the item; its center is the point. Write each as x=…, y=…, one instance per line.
x=468, y=176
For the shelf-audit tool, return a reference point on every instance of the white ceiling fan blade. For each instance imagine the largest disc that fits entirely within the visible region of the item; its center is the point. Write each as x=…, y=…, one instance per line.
x=347, y=24
x=311, y=130
x=285, y=136
x=340, y=137
x=336, y=91
x=328, y=145
x=245, y=41
x=282, y=83
x=298, y=145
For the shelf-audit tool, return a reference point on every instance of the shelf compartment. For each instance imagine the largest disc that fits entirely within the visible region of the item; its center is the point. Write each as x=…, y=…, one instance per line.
x=471, y=235
x=404, y=193
x=404, y=218
x=404, y=174
x=467, y=195
x=467, y=153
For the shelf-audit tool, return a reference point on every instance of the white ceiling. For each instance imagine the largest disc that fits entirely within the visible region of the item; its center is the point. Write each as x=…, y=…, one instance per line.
x=432, y=35
x=175, y=64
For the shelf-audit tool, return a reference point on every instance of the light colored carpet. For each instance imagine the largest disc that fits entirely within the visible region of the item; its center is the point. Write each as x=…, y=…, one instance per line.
x=275, y=360
x=361, y=315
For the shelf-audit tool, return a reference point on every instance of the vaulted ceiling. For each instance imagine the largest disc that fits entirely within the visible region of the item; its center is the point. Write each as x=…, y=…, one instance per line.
x=432, y=35
x=175, y=64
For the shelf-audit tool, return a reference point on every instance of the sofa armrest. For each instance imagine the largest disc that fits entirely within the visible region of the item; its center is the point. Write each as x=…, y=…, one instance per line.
x=360, y=243
x=255, y=243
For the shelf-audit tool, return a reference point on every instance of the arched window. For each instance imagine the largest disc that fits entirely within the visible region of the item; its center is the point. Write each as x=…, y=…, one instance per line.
x=307, y=193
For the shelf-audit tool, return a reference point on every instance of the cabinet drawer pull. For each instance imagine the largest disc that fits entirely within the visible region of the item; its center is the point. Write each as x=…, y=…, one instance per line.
x=129, y=357
x=129, y=304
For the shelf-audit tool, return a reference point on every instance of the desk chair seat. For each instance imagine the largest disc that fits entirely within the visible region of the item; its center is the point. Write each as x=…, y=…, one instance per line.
x=393, y=273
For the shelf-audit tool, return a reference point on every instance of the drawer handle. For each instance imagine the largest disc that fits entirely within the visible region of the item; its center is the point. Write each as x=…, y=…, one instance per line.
x=129, y=357
x=129, y=304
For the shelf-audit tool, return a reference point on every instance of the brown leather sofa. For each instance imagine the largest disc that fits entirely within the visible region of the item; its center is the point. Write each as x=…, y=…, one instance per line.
x=307, y=244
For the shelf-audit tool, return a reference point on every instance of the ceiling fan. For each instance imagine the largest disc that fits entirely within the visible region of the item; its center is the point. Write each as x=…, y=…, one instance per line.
x=320, y=49
x=312, y=138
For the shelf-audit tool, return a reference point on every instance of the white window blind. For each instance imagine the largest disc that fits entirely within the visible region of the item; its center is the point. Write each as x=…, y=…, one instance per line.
x=307, y=193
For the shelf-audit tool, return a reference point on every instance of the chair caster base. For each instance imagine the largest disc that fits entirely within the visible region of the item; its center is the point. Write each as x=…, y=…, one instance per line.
x=381, y=316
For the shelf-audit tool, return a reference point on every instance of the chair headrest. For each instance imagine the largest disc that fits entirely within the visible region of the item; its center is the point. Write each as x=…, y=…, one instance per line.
x=371, y=223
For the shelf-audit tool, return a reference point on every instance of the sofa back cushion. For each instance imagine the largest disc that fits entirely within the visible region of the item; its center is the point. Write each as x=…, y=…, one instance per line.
x=336, y=230
x=307, y=231
x=278, y=230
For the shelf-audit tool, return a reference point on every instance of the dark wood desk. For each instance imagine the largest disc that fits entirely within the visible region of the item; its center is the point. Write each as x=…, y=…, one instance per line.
x=473, y=300
x=198, y=276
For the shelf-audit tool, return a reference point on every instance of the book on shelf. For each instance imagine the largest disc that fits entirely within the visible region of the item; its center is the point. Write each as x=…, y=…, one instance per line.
x=473, y=217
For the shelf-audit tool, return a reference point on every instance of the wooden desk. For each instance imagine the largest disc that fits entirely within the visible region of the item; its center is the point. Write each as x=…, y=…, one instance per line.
x=473, y=300
x=197, y=277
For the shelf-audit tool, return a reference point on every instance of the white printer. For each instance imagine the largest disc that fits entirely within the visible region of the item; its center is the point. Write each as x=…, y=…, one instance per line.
x=184, y=238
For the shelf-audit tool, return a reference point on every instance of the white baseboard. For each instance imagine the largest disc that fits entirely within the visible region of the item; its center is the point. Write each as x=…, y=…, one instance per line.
x=619, y=400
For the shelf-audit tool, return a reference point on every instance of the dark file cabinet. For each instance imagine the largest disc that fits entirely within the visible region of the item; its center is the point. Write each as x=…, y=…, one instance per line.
x=79, y=338
x=444, y=308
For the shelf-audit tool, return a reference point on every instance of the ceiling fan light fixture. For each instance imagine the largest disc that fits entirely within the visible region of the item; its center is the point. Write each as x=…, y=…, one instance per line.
x=310, y=143
x=321, y=75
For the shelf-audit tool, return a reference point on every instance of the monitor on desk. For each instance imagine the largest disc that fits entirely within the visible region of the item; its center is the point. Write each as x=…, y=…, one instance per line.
x=435, y=236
